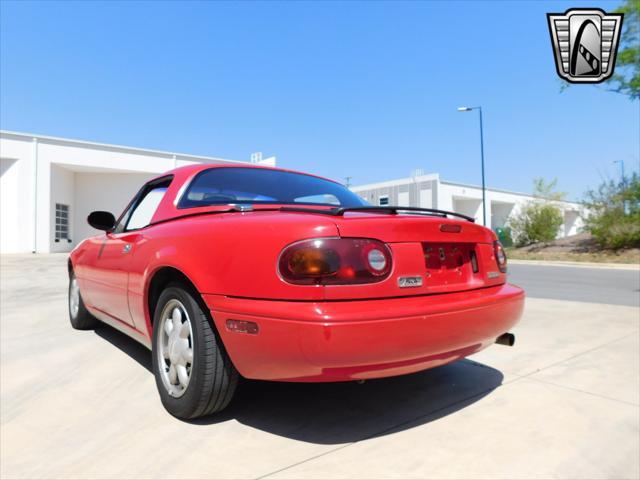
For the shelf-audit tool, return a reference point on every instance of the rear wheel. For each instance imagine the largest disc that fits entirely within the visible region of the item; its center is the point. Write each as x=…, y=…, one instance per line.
x=194, y=374
x=79, y=316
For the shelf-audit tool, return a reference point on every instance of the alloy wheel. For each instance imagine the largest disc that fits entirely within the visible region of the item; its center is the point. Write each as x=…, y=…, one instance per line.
x=175, y=348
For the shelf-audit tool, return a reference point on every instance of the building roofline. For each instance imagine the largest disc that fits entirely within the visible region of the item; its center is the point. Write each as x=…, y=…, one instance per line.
x=471, y=185
x=435, y=176
x=399, y=181
x=511, y=192
x=122, y=148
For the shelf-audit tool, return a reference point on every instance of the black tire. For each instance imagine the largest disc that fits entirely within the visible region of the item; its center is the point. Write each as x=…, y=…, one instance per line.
x=213, y=378
x=80, y=319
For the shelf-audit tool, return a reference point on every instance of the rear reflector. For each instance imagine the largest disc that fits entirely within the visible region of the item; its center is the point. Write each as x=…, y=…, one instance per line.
x=242, y=326
x=450, y=228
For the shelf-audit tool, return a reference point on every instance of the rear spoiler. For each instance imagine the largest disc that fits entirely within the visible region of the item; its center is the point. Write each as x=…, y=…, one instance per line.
x=396, y=210
x=340, y=211
x=335, y=211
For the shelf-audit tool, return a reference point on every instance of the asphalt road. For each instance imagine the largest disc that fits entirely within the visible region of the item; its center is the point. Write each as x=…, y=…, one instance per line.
x=579, y=284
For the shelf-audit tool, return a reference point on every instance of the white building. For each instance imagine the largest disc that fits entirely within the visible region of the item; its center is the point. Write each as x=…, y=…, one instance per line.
x=429, y=191
x=49, y=185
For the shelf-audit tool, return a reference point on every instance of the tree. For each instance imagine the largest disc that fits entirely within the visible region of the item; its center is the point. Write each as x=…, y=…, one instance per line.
x=614, y=212
x=538, y=220
x=546, y=190
x=626, y=79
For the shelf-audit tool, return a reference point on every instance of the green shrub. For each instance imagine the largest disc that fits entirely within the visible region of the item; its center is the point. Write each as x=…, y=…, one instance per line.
x=614, y=213
x=537, y=222
x=540, y=219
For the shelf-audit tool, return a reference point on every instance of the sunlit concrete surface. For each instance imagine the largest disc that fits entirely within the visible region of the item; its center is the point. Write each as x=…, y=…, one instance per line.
x=563, y=403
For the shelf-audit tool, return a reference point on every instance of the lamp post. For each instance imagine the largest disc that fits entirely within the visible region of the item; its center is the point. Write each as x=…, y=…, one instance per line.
x=484, y=205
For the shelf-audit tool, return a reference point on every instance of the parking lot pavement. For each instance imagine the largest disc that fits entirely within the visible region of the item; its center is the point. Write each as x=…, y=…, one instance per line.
x=564, y=402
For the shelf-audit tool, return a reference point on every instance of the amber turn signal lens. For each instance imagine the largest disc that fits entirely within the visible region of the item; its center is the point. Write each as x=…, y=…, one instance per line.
x=314, y=261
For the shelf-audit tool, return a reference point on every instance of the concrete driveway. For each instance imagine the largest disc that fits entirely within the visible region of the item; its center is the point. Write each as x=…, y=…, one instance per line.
x=563, y=403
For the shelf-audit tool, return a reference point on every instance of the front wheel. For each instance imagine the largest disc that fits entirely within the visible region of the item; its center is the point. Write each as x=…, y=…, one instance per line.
x=79, y=316
x=194, y=374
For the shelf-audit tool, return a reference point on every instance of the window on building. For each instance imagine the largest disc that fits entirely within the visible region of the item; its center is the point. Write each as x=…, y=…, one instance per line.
x=383, y=200
x=62, y=222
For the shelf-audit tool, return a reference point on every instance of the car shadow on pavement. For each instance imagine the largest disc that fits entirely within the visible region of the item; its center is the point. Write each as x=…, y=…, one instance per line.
x=128, y=345
x=345, y=412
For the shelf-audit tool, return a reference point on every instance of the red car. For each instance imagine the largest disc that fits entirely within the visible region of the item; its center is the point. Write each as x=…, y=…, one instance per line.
x=228, y=271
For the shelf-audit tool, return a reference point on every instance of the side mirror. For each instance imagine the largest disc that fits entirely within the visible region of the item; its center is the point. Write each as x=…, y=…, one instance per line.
x=102, y=220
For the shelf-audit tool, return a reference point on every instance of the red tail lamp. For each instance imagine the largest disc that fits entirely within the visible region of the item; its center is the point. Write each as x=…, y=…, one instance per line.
x=335, y=261
x=501, y=256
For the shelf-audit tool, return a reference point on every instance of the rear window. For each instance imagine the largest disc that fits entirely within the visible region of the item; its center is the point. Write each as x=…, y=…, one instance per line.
x=219, y=186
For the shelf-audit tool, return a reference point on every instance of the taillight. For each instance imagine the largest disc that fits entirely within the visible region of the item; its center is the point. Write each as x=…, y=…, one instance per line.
x=335, y=261
x=501, y=256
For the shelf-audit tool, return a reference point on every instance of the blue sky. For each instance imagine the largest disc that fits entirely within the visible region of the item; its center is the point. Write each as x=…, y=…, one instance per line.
x=368, y=90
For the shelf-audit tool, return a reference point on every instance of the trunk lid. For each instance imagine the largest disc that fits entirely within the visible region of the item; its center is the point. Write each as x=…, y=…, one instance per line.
x=430, y=255
x=409, y=228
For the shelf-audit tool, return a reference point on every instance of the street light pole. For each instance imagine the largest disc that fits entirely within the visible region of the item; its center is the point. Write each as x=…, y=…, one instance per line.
x=484, y=189
x=484, y=203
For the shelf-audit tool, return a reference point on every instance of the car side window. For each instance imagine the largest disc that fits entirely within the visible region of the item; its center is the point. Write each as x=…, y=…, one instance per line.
x=143, y=213
x=145, y=207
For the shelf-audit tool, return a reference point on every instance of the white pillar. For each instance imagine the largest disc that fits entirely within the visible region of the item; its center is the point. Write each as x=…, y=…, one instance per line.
x=43, y=237
x=33, y=188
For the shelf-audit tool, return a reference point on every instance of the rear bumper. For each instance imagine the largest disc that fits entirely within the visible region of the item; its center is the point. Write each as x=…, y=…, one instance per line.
x=350, y=340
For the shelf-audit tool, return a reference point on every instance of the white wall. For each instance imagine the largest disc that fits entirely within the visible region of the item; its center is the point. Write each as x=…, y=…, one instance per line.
x=38, y=171
x=87, y=158
x=10, y=234
x=102, y=191
x=572, y=222
x=467, y=199
x=500, y=213
x=16, y=197
x=462, y=199
x=62, y=191
x=469, y=207
x=426, y=198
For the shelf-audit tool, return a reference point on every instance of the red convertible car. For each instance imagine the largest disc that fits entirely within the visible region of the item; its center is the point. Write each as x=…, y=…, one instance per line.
x=228, y=271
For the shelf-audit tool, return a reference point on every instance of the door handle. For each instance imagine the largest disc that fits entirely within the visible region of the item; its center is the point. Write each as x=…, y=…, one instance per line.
x=126, y=248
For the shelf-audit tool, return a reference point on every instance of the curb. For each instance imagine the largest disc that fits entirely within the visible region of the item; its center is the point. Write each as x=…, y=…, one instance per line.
x=562, y=263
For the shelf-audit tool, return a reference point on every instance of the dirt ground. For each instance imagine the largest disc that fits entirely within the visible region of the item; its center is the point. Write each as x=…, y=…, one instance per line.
x=577, y=248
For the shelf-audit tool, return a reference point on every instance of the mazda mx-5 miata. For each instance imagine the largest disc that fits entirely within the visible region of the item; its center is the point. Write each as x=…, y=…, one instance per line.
x=244, y=271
